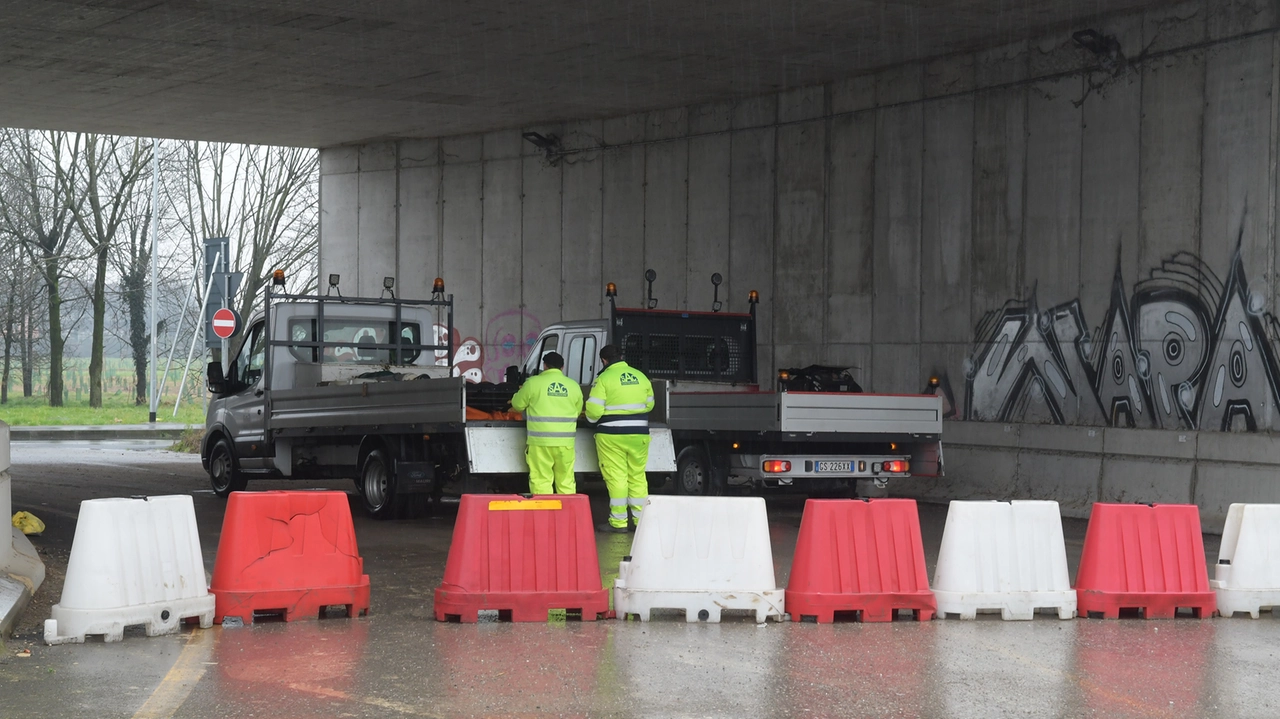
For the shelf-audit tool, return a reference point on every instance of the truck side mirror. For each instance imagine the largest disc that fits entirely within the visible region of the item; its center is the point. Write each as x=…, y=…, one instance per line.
x=214, y=380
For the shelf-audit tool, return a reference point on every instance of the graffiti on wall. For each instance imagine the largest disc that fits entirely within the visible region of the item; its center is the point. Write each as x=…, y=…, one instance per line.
x=1185, y=349
x=468, y=355
x=508, y=336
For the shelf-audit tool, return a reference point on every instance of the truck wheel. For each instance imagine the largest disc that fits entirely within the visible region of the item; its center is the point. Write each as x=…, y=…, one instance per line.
x=222, y=471
x=693, y=472
x=377, y=485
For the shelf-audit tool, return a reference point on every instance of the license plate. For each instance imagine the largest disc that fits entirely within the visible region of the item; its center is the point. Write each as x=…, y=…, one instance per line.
x=831, y=466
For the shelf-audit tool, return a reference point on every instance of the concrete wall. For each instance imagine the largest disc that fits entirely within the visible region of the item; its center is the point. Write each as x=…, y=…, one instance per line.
x=1060, y=244
x=1078, y=466
x=882, y=217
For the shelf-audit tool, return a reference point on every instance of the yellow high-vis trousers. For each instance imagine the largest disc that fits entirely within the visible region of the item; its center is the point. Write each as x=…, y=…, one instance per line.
x=622, y=461
x=548, y=465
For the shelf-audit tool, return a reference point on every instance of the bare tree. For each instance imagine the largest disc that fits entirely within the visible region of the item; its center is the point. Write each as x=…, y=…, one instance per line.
x=37, y=208
x=133, y=262
x=14, y=286
x=111, y=167
x=29, y=318
x=265, y=199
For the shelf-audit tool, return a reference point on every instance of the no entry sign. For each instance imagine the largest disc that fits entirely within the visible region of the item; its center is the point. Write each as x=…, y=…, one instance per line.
x=225, y=323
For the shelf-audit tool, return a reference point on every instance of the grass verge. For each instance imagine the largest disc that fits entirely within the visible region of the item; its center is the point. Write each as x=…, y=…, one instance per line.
x=189, y=442
x=35, y=411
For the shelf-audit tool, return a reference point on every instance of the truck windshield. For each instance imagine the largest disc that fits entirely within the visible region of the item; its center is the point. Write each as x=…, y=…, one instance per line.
x=351, y=338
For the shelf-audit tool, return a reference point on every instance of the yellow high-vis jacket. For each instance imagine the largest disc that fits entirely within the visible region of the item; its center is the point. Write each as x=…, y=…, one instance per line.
x=621, y=400
x=551, y=404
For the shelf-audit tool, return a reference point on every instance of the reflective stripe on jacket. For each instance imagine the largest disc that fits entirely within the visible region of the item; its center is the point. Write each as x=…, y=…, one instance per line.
x=621, y=399
x=551, y=404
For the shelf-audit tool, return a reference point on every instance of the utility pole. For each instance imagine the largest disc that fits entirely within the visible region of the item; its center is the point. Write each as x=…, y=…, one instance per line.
x=155, y=210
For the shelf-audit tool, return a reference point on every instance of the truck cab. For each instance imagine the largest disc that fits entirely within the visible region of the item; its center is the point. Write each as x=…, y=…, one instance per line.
x=579, y=342
x=296, y=345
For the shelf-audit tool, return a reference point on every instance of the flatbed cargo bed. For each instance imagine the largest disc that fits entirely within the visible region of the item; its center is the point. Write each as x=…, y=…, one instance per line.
x=821, y=413
x=355, y=408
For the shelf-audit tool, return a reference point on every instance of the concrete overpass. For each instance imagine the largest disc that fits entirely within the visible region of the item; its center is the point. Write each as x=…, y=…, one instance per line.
x=1077, y=234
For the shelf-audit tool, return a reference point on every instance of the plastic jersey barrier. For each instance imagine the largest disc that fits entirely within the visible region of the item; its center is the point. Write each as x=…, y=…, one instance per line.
x=1247, y=575
x=859, y=556
x=1008, y=557
x=700, y=555
x=522, y=558
x=290, y=554
x=1144, y=557
x=133, y=562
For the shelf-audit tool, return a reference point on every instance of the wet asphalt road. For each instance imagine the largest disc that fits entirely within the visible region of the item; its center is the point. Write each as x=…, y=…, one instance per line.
x=400, y=662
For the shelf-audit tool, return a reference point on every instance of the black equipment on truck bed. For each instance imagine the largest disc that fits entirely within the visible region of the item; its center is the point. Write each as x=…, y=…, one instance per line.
x=688, y=346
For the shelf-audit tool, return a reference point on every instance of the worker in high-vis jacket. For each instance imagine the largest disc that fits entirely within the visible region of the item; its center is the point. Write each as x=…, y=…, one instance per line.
x=620, y=402
x=551, y=403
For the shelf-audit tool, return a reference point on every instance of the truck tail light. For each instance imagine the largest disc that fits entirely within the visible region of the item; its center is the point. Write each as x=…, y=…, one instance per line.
x=896, y=466
x=774, y=466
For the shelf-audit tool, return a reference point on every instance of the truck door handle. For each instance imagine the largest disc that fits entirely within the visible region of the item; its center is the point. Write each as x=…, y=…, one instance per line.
x=257, y=392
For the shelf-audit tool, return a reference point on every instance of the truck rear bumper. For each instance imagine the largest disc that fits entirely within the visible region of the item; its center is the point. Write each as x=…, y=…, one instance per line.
x=815, y=466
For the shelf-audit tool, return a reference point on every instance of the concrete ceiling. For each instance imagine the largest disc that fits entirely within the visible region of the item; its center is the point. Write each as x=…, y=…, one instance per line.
x=322, y=72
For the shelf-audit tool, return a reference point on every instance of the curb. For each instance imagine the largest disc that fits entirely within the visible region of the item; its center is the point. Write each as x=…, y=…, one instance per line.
x=100, y=432
x=14, y=596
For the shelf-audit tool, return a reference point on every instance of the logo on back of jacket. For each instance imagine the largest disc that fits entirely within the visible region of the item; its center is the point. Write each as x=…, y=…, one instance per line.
x=557, y=389
x=628, y=378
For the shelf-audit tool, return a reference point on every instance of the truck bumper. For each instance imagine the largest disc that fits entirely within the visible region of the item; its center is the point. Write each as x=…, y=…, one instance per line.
x=791, y=467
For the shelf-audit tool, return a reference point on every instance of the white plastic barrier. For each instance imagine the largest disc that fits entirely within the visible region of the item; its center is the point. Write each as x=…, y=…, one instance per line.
x=1003, y=556
x=701, y=555
x=133, y=562
x=1247, y=576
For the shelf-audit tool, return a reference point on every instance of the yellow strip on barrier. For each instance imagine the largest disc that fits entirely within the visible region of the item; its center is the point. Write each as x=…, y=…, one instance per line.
x=508, y=505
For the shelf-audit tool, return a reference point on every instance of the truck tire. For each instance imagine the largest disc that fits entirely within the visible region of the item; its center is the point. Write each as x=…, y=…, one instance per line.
x=693, y=472
x=378, y=486
x=223, y=475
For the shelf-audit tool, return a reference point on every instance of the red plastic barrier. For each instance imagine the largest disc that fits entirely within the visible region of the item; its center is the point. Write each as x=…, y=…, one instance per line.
x=523, y=558
x=288, y=553
x=859, y=556
x=1145, y=557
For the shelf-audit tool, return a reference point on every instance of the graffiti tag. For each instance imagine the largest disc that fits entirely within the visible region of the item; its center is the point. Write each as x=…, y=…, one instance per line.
x=1184, y=350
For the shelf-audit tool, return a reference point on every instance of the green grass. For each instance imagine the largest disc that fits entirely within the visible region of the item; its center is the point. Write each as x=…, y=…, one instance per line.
x=117, y=404
x=190, y=440
x=28, y=411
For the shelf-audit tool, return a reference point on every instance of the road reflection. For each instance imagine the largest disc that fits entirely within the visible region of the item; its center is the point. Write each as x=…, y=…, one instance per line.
x=851, y=669
x=305, y=665
x=1144, y=668
x=525, y=670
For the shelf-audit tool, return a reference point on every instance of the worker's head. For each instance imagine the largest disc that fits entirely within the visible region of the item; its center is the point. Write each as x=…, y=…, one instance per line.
x=609, y=354
x=552, y=360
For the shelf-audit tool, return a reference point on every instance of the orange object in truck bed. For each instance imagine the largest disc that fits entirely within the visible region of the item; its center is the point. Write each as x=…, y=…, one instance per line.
x=479, y=414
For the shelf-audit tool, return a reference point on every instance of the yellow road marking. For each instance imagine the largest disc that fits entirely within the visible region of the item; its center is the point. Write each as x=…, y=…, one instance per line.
x=183, y=676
